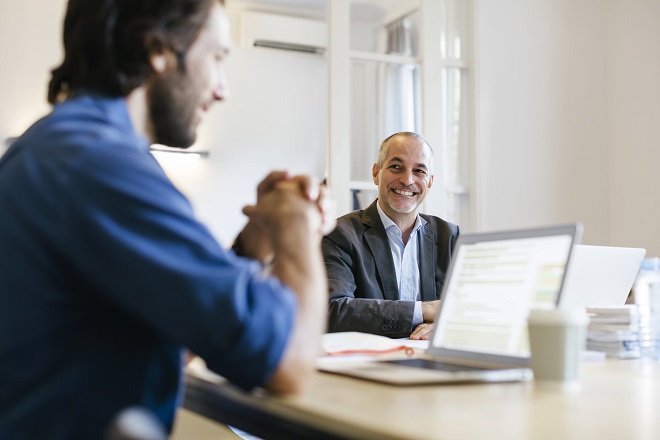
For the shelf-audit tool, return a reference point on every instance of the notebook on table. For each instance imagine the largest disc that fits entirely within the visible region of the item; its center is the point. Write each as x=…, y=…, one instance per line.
x=600, y=275
x=480, y=334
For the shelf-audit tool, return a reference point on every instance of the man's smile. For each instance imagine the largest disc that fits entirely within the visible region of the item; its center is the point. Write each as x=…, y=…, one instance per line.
x=402, y=192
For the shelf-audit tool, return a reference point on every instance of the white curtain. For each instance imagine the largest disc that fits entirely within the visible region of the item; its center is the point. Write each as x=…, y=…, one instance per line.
x=385, y=102
x=399, y=82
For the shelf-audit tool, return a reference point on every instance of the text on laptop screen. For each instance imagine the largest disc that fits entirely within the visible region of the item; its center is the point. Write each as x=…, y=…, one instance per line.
x=491, y=289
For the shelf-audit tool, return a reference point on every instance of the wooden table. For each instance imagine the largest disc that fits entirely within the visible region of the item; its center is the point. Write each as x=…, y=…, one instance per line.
x=618, y=399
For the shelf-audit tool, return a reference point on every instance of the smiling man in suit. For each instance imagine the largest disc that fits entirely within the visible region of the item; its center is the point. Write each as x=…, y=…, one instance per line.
x=386, y=264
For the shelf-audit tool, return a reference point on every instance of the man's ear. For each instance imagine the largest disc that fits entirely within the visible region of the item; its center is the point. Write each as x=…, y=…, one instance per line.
x=163, y=60
x=430, y=182
x=161, y=55
x=158, y=62
x=374, y=173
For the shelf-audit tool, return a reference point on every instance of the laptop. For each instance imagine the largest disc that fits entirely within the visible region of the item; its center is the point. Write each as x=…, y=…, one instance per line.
x=600, y=276
x=480, y=332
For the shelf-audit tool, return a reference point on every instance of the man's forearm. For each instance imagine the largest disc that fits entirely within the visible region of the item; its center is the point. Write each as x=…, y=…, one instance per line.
x=298, y=263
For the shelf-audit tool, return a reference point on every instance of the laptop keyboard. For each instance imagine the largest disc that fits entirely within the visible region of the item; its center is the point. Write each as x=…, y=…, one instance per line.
x=433, y=365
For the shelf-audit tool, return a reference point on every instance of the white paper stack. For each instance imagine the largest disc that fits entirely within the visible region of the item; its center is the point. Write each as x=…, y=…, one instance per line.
x=614, y=330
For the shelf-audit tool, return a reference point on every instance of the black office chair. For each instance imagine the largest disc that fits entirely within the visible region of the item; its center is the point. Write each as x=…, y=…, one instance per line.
x=136, y=423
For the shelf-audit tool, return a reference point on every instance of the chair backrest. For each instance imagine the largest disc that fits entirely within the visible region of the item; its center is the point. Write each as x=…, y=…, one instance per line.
x=136, y=423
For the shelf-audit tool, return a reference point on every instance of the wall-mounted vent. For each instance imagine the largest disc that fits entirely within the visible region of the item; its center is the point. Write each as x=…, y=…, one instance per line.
x=288, y=46
x=283, y=32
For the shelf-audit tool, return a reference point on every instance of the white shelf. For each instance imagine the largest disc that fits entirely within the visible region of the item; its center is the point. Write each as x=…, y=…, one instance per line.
x=362, y=185
x=369, y=186
x=400, y=59
x=384, y=58
x=460, y=64
x=456, y=189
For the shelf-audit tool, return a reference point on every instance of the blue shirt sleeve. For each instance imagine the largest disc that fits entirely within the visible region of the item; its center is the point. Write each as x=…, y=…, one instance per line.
x=136, y=239
x=106, y=275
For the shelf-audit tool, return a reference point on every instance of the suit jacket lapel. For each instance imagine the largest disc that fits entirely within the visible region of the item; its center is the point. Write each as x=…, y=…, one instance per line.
x=377, y=241
x=427, y=264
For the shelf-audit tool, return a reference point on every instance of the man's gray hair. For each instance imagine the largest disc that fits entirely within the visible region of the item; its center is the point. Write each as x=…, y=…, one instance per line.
x=385, y=147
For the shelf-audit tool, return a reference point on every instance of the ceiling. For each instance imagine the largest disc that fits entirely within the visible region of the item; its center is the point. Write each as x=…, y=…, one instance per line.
x=361, y=10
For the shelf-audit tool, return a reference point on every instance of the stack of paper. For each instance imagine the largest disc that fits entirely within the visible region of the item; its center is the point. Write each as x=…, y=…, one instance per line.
x=614, y=330
x=349, y=347
x=356, y=343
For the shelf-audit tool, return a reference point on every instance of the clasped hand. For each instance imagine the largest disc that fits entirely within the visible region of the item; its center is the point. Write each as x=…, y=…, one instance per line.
x=284, y=202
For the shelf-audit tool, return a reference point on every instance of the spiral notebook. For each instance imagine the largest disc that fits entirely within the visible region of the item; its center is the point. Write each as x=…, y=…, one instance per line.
x=480, y=334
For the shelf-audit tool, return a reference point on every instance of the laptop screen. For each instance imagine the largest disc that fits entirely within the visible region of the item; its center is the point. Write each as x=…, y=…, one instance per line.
x=600, y=275
x=493, y=282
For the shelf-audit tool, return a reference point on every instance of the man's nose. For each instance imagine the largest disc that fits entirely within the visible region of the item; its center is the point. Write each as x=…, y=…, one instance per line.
x=221, y=89
x=407, y=177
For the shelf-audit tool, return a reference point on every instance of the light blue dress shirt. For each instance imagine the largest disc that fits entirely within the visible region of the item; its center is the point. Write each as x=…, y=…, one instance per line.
x=406, y=261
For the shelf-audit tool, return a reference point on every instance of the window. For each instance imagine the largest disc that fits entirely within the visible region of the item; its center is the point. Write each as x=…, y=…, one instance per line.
x=455, y=157
x=401, y=68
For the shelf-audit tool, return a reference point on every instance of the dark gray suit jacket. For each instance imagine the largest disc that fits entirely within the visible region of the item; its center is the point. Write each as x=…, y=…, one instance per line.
x=363, y=289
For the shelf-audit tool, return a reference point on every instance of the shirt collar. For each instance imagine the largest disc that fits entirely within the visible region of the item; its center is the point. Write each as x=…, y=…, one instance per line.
x=388, y=223
x=114, y=109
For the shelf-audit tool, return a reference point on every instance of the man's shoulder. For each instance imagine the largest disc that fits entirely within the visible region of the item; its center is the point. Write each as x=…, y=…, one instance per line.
x=360, y=219
x=350, y=223
x=353, y=224
x=85, y=125
x=440, y=225
x=351, y=217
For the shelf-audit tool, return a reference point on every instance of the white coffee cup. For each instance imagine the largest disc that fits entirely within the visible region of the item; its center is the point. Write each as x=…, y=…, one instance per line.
x=556, y=339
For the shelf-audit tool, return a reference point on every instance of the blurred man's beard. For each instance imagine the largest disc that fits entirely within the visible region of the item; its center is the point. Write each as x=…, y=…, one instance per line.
x=172, y=102
x=400, y=205
x=402, y=208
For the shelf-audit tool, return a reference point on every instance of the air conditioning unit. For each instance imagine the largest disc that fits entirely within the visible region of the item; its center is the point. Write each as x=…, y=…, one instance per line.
x=274, y=31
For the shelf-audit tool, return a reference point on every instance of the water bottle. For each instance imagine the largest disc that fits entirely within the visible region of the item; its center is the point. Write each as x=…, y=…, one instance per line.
x=646, y=291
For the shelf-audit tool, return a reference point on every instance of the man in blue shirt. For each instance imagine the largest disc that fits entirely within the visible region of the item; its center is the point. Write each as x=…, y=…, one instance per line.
x=386, y=264
x=105, y=274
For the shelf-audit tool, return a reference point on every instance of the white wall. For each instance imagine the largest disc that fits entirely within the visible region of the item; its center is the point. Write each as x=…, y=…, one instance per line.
x=568, y=99
x=30, y=46
x=566, y=117
x=275, y=118
x=633, y=122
